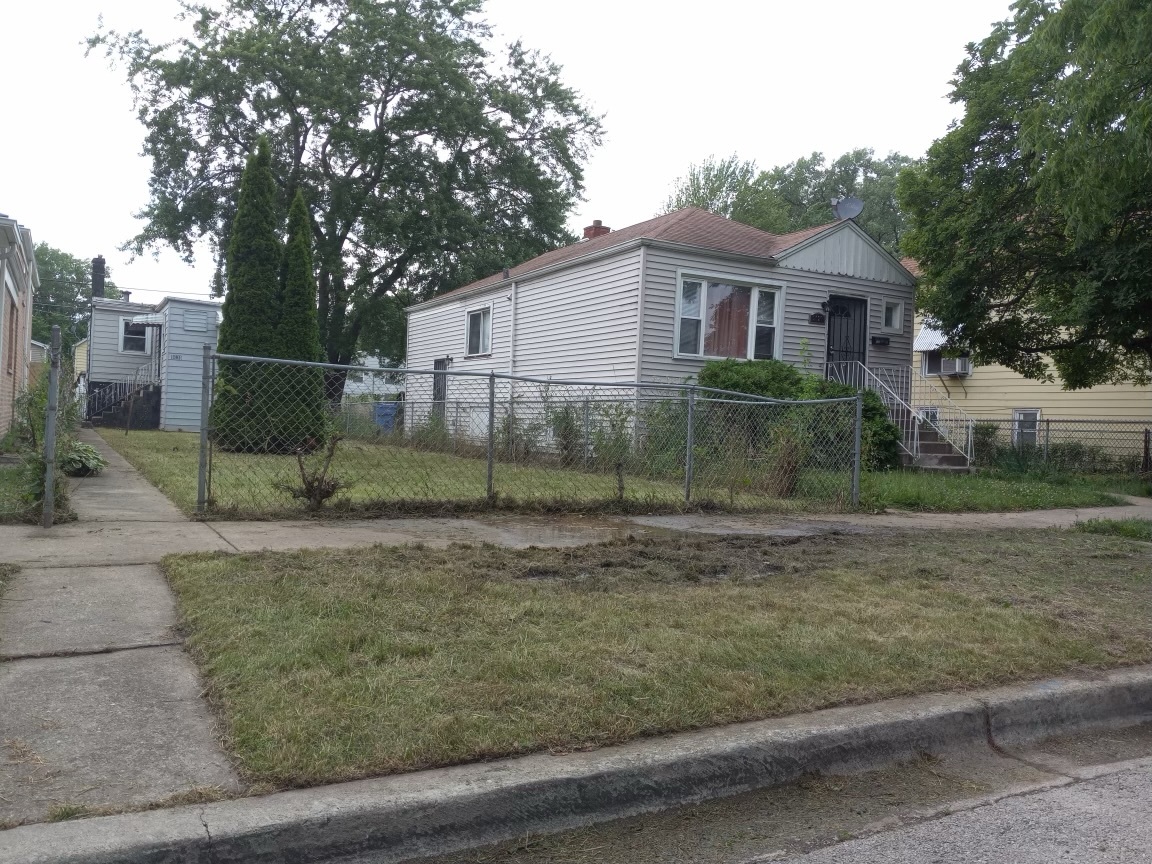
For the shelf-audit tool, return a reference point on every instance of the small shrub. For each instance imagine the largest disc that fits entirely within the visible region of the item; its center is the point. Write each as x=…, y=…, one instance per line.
x=316, y=486
x=81, y=460
x=567, y=434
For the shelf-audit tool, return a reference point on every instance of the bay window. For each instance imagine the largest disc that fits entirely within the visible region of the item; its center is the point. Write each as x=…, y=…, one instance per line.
x=722, y=319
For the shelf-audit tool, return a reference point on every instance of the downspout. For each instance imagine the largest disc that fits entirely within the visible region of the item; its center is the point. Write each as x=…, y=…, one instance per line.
x=640, y=310
x=512, y=334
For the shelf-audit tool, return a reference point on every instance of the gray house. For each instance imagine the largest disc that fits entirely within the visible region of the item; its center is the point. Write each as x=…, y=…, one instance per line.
x=654, y=301
x=146, y=359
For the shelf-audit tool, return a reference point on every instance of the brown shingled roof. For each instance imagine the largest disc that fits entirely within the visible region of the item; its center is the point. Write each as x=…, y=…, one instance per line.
x=690, y=226
x=911, y=265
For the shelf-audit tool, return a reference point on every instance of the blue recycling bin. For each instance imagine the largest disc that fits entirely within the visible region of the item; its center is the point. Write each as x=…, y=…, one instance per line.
x=386, y=415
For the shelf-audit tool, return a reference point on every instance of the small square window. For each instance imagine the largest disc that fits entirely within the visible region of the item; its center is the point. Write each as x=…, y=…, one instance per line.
x=894, y=316
x=133, y=337
x=479, y=332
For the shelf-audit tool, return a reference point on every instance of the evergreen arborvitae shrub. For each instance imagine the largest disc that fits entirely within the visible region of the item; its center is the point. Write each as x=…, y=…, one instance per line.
x=301, y=415
x=243, y=410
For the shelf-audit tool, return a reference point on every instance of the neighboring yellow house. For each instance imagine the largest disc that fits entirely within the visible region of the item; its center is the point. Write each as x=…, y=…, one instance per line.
x=997, y=393
x=80, y=358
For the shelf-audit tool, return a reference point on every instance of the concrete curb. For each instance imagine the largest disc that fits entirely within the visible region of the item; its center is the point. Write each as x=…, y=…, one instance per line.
x=432, y=812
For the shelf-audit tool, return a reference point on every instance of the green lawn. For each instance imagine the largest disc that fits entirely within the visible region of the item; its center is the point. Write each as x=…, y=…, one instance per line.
x=395, y=479
x=931, y=491
x=1134, y=529
x=333, y=664
x=378, y=474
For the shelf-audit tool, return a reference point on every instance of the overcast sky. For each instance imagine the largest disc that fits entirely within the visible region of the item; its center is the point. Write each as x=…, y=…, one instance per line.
x=767, y=79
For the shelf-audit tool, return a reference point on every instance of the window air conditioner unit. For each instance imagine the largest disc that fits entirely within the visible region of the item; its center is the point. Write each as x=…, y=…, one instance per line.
x=955, y=367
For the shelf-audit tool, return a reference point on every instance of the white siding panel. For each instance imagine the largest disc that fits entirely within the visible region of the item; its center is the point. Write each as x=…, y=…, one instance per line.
x=181, y=366
x=580, y=324
x=803, y=344
x=846, y=253
x=108, y=363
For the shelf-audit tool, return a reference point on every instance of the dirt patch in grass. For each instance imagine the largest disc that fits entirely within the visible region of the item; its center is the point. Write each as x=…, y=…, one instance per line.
x=334, y=664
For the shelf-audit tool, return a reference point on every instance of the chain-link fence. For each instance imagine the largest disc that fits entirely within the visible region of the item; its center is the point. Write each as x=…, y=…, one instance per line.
x=1030, y=441
x=278, y=437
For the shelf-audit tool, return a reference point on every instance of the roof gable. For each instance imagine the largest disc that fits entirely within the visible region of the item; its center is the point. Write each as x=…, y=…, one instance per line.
x=845, y=249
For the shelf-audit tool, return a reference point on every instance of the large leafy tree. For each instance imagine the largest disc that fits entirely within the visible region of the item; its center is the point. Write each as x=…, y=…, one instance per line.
x=799, y=194
x=1032, y=217
x=63, y=296
x=427, y=159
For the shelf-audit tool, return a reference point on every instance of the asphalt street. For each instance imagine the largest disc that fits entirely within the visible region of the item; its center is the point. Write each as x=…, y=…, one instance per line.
x=1103, y=821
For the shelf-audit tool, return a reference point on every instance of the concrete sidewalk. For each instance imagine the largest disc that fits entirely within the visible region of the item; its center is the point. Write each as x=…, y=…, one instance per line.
x=101, y=706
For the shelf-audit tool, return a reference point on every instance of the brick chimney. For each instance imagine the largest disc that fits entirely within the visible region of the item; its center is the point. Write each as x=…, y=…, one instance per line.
x=596, y=229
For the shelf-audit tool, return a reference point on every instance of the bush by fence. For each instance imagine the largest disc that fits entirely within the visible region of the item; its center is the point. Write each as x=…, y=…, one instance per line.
x=22, y=482
x=455, y=440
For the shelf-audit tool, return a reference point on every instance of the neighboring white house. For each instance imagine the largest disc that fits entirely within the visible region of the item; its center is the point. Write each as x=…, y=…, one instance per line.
x=151, y=350
x=656, y=300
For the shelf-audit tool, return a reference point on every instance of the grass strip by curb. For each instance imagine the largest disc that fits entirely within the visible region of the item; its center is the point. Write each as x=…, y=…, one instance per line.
x=330, y=665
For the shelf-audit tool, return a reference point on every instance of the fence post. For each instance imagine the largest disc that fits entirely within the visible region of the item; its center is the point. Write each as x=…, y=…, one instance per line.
x=688, y=461
x=491, y=430
x=48, y=507
x=205, y=406
x=1146, y=462
x=1047, y=436
x=857, y=448
x=587, y=435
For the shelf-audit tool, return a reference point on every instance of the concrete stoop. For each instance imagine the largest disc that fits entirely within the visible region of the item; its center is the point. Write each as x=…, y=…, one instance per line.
x=398, y=818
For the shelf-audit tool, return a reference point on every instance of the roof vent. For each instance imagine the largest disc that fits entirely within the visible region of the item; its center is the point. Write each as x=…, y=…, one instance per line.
x=847, y=207
x=596, y=229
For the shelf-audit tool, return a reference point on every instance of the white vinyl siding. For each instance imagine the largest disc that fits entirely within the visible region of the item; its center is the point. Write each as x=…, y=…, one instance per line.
x=108, y=362
x=578, y=323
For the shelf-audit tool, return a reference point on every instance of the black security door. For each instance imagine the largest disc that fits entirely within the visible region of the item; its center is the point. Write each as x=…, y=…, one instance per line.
x=847, y=329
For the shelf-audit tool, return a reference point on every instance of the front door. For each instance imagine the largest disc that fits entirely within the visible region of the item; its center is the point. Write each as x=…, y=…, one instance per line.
x=847, y=329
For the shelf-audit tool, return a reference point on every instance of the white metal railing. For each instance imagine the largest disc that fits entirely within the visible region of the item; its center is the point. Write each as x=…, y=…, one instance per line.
x=911, y=400
x=113, y=393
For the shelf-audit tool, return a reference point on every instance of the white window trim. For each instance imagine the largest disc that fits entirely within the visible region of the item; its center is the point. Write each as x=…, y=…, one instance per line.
x=900, y=316
x=780, y=288
x=468, y=312
x=120, y=338
x=1017, y=420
